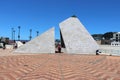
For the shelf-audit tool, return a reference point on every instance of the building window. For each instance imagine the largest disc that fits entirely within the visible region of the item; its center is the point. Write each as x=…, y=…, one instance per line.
x=116, y=35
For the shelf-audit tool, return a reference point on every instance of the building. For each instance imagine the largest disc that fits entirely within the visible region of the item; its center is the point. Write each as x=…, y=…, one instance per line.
x=4, y=39
x=116, y=39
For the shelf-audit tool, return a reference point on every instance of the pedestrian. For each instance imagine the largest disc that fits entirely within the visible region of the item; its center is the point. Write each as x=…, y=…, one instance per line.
x=97, y=52
x=59, y=48
x=4, y=45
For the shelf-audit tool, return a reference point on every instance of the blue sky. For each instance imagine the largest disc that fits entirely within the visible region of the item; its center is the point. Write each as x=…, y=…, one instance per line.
x=98, y=16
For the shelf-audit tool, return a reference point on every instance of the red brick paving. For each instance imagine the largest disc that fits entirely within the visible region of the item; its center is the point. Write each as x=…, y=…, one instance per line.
x=59, y=67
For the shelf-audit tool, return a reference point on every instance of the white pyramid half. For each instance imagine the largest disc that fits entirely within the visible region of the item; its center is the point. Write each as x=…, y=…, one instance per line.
x=44, y=43
x=19, y=43
x=75, y=38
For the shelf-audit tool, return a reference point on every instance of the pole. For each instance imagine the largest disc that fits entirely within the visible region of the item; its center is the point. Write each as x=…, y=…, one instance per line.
x=37, y=33
x=18, y=32
x=12, y=33
x=30, y=34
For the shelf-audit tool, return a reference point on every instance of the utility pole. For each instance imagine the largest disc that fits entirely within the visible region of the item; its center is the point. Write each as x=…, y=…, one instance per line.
x=12, y=29
x=30, y=34
x=19, y=33
x=37, y=33
x=14, y=34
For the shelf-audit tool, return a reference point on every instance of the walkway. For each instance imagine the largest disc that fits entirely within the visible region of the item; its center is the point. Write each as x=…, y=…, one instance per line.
x=59, y=67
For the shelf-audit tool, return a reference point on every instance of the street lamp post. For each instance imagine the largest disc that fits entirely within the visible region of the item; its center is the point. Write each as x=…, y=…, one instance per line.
x=12, y=33
x=37, y=33
x=19, y=33
x=30, y=34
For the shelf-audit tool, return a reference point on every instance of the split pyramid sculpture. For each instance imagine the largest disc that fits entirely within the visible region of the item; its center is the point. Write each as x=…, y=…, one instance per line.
x=44, y=43
x=75, y=39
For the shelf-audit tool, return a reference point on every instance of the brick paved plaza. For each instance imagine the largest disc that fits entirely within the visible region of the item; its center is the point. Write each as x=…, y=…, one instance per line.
x=58, y=67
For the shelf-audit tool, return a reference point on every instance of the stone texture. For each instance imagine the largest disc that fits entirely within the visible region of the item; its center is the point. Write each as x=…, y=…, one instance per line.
x=75, y=38
x=44, y=43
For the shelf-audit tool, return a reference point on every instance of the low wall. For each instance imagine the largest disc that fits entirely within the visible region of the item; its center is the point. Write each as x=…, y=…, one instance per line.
x=110, y=50
x=7, y=46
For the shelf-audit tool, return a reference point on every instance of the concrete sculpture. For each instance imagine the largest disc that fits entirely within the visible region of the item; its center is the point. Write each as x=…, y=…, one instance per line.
x=44, y=43
x=75, y=38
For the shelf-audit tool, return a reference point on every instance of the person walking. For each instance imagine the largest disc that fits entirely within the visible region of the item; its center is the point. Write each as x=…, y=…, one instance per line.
x=59, y=48
x=4, y=45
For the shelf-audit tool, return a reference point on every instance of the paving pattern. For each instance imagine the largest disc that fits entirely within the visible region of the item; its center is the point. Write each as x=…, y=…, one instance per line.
x=59, y=67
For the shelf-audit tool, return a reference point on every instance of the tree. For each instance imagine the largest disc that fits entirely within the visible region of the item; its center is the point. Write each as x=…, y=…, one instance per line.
x=108, y=35
x=97, y=36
